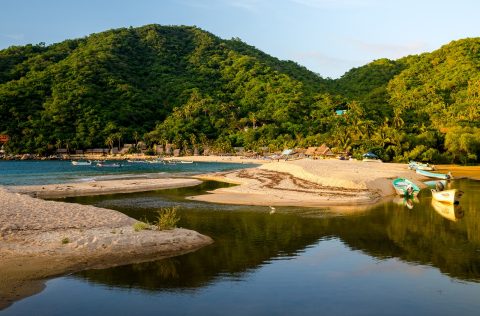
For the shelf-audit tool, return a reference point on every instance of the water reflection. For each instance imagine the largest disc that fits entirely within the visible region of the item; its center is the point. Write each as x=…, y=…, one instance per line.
x=247, y=238
x=451, y=212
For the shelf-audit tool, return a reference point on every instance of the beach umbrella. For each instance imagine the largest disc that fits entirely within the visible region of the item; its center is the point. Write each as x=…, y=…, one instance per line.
x=370, y=155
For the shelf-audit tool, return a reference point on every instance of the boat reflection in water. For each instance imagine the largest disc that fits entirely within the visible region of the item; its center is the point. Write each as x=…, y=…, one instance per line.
x=451, y=212
x=405, y=201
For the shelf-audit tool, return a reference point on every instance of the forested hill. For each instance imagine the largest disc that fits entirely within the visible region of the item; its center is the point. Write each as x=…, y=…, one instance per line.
x=182, y=85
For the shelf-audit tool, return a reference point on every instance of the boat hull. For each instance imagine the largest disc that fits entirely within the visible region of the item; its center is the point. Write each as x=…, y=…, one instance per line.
x=447, y=196
x=429, y=174
x=81, y=163
x=425, y=167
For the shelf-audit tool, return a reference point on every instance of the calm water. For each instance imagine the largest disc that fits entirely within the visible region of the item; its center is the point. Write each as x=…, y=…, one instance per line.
x=389, y=260
x=47, y=172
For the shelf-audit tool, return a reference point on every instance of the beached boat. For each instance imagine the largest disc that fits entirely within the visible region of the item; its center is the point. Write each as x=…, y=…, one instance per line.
x=429, y=174
x=413, y=165
x=425, y=166
x=81, y=163
x=447, y=196
x=401, y=185
x=432, y=184
x=451, y=212
x=186, y=161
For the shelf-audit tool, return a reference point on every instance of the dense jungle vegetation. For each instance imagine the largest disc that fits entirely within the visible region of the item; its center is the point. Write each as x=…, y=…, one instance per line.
x=185, y=86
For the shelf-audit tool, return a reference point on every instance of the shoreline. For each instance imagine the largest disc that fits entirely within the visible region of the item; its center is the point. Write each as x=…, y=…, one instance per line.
x=32, y=230
x=210, y=158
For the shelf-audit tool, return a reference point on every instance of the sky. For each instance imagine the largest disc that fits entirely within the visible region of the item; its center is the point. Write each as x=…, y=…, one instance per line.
x=328, y=37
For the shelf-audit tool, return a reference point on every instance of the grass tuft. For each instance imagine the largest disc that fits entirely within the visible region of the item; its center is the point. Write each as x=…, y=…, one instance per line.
x=138, y=226
x=65, y=241
x=167, y=219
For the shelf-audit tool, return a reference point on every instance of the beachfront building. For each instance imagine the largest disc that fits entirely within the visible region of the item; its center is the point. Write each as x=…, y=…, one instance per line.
x=159, y=150
x=319, y=152
x=96, y=151
x=239, y=151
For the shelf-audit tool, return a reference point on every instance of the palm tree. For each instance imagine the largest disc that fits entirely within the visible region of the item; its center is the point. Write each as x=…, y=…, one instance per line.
x=109, y=141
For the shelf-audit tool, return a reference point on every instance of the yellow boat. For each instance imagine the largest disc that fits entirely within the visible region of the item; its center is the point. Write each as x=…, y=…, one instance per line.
x=447, y=196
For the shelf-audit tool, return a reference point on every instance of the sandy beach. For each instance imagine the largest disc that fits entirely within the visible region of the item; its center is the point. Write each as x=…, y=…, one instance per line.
x=309, y=183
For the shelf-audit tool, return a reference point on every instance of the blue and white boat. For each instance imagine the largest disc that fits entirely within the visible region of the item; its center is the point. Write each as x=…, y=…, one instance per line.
x=413, y=165
x=429, y=174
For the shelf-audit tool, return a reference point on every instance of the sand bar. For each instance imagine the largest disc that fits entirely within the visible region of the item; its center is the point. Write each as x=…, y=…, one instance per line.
x=40, y=239
x=103, y=187
x=310, y=183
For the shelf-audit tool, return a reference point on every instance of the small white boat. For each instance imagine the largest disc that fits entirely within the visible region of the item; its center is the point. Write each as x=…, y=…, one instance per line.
x=447, y=196
x=81, y=163
x=186, y=161
x=156, y=161
x=108, y=165
x=426, y=167
x=449, y=211
x=413, y=165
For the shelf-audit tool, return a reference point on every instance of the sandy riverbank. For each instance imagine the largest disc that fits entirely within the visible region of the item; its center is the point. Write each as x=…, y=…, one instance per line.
x=40, y=239
x=310, y=183
x=103, y=187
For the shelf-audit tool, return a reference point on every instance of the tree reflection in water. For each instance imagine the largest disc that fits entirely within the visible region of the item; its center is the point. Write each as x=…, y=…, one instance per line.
x=249, y=237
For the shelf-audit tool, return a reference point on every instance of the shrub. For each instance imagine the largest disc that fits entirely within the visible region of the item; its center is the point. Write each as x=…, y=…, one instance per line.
x=167, y=219
x=65, y=240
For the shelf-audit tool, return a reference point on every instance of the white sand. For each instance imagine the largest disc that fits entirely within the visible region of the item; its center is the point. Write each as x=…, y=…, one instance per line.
x=103, y=187
x=306, y=182
x=40, y=239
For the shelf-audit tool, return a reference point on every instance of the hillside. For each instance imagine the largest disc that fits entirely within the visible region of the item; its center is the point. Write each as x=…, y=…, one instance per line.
x=123, y=82
x=183, y=85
